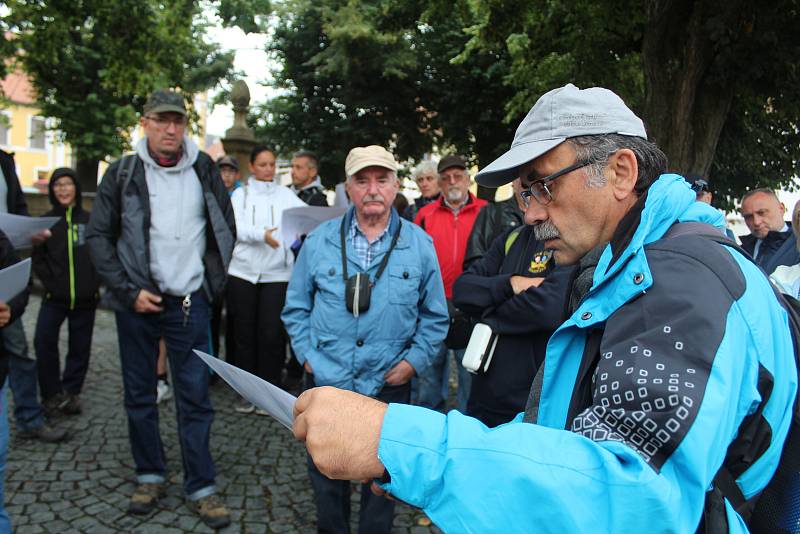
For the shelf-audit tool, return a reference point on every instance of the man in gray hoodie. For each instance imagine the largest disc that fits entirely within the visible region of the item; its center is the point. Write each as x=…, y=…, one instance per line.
x=161, y=237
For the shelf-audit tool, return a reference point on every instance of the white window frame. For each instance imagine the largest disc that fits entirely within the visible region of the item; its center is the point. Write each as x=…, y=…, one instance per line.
x=7, y=115
x=31, y=120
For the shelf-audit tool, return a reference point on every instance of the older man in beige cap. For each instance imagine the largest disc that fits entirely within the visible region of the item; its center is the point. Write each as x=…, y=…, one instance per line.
x=365, y=310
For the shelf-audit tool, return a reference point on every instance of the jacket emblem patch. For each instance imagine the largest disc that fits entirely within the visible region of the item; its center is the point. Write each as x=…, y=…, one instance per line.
x=539, y=261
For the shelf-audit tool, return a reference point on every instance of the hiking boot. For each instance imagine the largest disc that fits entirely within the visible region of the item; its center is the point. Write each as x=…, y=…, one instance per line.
x=145, y=498
x=45, y=433
x=53, y=406
x=71, y=405
x=211, y=511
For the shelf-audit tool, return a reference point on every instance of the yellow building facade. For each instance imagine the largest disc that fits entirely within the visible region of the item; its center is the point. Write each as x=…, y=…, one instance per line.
x=37, y=150
x=23, y=131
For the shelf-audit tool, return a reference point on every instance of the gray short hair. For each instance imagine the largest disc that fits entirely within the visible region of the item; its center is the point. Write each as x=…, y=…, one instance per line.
x=425, y=167
x=651, y=160
x=310, y=156
x=763, y=190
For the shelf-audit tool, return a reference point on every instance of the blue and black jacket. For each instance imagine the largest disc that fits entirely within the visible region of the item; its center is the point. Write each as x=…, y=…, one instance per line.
x=693, y=341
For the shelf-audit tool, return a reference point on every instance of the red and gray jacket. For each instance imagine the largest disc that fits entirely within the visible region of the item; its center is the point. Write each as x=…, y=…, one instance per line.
x=450, y=232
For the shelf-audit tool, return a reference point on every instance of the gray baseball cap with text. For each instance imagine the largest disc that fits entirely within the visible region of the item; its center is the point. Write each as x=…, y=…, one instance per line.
x=558, y=115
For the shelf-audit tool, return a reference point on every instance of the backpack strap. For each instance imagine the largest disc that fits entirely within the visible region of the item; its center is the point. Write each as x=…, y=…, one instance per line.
x=511, y=238
x=125, y=173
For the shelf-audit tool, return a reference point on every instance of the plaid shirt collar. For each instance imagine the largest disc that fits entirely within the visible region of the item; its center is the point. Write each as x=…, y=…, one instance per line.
x=365, y=249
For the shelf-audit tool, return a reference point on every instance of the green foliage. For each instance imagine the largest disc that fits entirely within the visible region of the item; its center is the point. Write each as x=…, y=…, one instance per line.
x=422, y=74
x=356, y=73
x=249, y=15
x=93, y=62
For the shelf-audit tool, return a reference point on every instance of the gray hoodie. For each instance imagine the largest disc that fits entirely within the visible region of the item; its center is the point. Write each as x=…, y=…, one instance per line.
x=177, y=221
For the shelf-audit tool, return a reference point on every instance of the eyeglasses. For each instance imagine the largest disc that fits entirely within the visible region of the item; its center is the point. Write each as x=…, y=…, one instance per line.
x=699, y=186
x=539, y=190
x=163, y=122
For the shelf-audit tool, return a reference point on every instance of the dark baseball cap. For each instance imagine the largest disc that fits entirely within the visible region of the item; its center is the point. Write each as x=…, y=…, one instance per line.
x=698, y=183
x=228, y=161
x=451, y=161
x=165, y=101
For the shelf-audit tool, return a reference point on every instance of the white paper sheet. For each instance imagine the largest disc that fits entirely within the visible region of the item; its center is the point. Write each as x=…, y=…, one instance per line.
x=20, y=228
x=272, y=399
x=14, y=279
x=302, y=220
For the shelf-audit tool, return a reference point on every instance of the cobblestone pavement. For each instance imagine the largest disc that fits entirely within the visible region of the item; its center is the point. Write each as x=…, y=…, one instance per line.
x=83, y=485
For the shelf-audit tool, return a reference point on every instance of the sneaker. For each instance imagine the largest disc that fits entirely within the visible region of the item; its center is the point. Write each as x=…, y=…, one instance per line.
x=145, y=498
x=211, y=511
x=71, y=405
x=45, y=433
x=163, y=391
x=245, y=407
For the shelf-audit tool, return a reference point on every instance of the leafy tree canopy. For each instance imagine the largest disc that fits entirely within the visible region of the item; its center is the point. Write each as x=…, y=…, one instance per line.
x=356, y=73
x=716, y=82
x=93, y=62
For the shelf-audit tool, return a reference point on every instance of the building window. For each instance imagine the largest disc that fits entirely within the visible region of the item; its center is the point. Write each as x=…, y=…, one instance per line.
x=38, y=129
x=5, y=126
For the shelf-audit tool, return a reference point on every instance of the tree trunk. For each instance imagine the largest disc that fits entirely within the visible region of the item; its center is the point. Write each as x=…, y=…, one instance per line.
x=86, y=169
x=686, y=101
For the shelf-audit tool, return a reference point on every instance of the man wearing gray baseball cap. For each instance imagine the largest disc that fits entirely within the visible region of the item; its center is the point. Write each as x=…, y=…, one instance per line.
x=674, y=346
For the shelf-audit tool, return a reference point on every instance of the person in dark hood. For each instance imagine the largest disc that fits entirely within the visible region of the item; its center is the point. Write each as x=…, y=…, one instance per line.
x=71, y=285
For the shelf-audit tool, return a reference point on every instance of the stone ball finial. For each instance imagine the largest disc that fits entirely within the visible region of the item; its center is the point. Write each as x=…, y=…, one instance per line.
x=240, y=94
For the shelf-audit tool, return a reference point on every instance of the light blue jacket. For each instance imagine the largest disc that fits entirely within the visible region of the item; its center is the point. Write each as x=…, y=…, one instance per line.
x=407, y=318
x=606, y=470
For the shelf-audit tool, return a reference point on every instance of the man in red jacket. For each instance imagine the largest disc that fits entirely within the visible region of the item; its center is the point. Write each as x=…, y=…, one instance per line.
x=449, y=222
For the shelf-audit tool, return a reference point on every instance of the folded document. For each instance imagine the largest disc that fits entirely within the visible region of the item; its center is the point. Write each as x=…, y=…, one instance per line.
x=14, y=279
x=272, y=399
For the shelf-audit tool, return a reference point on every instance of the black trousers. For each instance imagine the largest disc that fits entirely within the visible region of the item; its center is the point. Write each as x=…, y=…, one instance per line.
x=259, y=339
x=216, y=327
x=45, y=341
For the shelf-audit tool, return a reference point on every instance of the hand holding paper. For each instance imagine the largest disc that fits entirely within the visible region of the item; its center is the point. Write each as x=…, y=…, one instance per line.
x=24, y=232
x=272, y=399
x=14, y=279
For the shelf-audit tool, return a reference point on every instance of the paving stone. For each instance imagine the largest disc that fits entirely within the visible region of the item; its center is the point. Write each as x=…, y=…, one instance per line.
x=83, y=485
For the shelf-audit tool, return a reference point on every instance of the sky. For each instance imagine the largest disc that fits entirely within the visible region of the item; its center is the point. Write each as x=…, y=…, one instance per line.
x=250, y=59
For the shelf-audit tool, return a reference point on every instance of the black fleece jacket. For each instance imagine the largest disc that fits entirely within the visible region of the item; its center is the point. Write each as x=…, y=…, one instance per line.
x=62, y=262
x=524, y=322
x=16, y=199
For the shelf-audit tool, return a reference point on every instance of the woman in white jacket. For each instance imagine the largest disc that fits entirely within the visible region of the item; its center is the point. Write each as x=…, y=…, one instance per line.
x=259, y=271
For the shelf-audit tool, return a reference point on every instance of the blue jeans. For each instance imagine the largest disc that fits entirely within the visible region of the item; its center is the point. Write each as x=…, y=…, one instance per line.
x=433, y=387
x=5, y=522
x=332, y=497
x=138, y=347
x=28, y=411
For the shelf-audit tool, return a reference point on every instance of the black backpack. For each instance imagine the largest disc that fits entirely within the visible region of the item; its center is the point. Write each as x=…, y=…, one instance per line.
x=777, y=508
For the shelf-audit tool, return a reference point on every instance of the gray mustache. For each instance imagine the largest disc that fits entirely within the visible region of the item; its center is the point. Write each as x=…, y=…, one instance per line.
x=545, y=230
x=373, y=198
